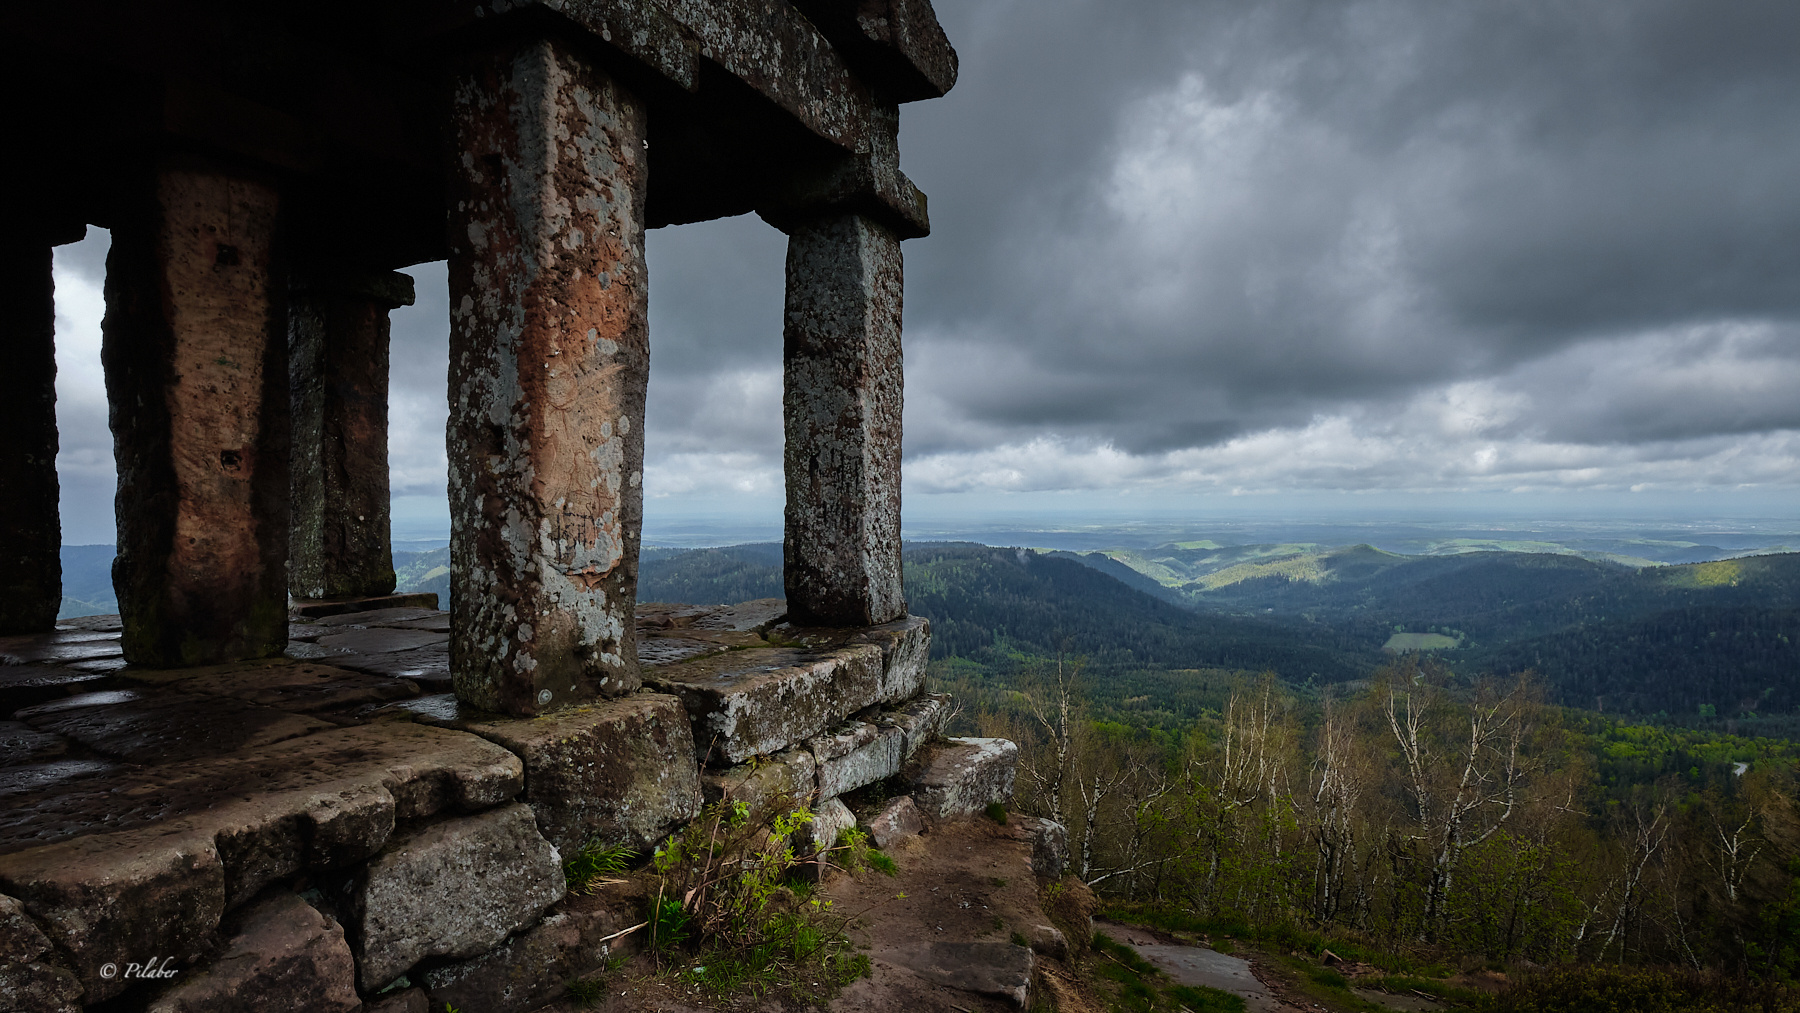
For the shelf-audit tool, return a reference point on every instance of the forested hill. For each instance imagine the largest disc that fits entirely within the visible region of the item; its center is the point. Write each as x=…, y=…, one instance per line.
x=985, y=602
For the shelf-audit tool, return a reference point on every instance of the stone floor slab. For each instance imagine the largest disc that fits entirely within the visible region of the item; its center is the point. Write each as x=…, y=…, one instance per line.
x=323, y=608
x=382, y=640
x=166, y=727
x=298, y=687
x=428, y=667
x=21, y=744
x=905, y=646
x=1002, y=970
x=377, y=617
x=48, y=648
x=672, y=650
x=28, y=685
x=436, y=623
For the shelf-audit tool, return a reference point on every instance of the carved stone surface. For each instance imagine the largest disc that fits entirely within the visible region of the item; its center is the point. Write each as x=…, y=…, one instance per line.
x=620, y=771
x=338, y=383
x=30, y=532
x=195, y=348
x=283, y=956
x=962, y=776
x=842, y=411
x=503, y=875
x=548, y=364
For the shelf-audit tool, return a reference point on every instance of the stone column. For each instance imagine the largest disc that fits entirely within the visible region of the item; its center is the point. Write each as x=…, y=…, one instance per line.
x=338, y=382
x=195, y=349
x=841, y=400
x=30, y=525
x=548, y=364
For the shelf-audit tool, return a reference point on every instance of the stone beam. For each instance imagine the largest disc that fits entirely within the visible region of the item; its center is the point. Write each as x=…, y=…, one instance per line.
x=195, y=349
x=842, y=400
x=896, y=45
x=549, y=358
x=338, y=385
x=30, y=529
x=868, y=183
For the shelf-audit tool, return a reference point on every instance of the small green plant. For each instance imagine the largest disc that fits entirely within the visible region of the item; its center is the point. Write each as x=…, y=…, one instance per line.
x=594, y=864
x=1018, y=939
x=996, y=811
x=587, y=991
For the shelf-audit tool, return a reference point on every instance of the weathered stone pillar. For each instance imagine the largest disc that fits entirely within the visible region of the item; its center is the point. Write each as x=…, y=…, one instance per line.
x=195, y=348
x=30, y=526
x=338, y=382
x=842, y=400
x=548, y=364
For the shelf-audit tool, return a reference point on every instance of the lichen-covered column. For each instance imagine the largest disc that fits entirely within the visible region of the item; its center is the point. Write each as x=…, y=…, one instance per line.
x=842, y=400
x=30, y=527
x=338, y=380
x=195, y=349
x=548, y=364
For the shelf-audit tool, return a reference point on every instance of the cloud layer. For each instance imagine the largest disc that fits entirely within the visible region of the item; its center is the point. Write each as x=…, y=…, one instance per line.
x=1211, y=246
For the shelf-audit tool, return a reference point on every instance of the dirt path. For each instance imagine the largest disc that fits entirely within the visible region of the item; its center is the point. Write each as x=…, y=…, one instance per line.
x=1197, y=965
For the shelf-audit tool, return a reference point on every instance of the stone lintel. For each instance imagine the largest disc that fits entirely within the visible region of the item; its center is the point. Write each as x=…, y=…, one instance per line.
x=338, y=348
x=842, y=417
x=774, y=49
x=895, y=45
x=195, y=349
x=617, y=772
x=30, y=525
x=867, y=183
x=549, y=359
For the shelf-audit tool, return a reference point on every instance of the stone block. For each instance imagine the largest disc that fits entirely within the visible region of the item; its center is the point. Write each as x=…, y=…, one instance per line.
x=920, y=720
x=453, y=889
x=791, y=774
x=1049, y=845
x=760, y=701
x=120, y=897
x=1048, y=940
x=620, y=771
x=905, y=646
x=549, y=361
x=534, y=967
x=830, y=818
x=1002, y=970
x=30, y=977
x=896, y=821
x=878, y=754
x=962, y=776
x=146, y=861
x=283, y=956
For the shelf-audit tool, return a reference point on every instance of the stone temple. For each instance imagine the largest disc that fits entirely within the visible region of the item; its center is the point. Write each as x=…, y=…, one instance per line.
x=269, y=771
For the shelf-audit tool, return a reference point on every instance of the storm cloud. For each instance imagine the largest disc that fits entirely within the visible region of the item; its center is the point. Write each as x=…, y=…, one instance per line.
x=1347, y=245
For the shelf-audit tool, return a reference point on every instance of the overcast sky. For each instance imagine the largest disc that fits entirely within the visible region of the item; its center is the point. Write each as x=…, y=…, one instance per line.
x=1187, y=253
